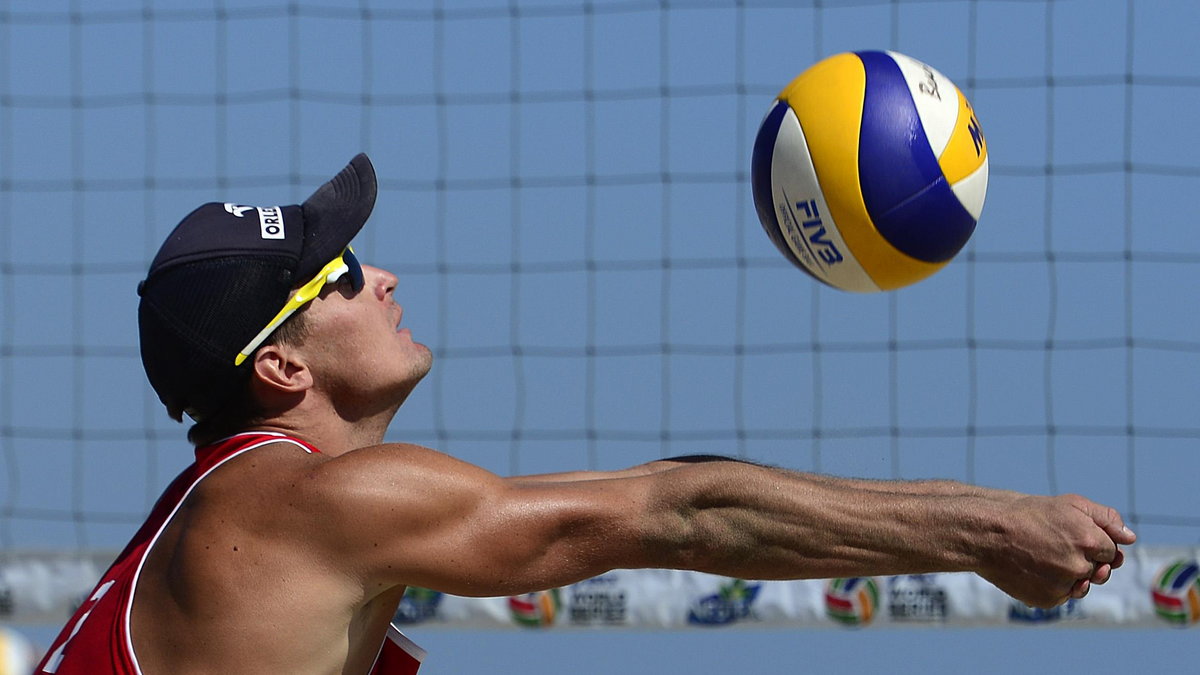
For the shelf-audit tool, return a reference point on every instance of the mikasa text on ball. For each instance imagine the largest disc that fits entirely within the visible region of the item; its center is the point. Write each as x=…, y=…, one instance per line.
x=869, y=171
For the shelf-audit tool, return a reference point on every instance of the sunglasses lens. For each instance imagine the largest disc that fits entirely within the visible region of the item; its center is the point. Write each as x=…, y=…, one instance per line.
x=355, y=270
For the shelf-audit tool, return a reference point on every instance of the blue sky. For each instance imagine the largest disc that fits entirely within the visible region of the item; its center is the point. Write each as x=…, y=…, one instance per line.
x=564, y=196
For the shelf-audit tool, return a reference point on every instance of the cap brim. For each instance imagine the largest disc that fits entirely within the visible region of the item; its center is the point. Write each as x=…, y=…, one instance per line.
x=334, y=214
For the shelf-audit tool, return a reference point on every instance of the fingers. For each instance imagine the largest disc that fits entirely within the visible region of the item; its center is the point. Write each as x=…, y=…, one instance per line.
x=1107, y=555
x=1107, y=519
x=1105, y=551
x=1101, y=574
x=1080, y=589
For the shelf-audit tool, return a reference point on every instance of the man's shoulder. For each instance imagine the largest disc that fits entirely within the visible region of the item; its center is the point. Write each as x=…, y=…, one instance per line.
x=260, y=472
x=408, y=468
x=286, y=474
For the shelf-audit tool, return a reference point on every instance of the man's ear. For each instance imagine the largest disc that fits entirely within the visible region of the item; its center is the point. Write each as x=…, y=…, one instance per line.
x=281, y=369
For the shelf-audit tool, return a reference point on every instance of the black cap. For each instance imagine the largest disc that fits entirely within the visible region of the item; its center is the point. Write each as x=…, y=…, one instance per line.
x=225, y=271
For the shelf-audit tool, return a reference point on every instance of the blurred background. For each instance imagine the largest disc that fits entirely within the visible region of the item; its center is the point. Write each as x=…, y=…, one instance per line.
x=564, y=196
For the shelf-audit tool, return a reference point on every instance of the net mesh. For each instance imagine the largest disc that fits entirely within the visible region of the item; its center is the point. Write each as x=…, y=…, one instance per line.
x=564, y=195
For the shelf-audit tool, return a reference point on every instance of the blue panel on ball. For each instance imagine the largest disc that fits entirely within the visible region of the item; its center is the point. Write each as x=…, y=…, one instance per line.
x=932, y=226
x=761, y=181
x=903, y=187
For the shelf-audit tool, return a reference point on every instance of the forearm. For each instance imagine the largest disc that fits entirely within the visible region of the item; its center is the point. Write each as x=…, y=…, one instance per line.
x=743, y=520
x=932, y=487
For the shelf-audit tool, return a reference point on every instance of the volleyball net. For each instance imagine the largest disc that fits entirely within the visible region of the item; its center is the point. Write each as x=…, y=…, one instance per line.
x=564, y=196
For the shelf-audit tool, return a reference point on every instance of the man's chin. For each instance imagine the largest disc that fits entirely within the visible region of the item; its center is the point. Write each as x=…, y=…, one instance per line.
x=423, y=365
x=420, y=368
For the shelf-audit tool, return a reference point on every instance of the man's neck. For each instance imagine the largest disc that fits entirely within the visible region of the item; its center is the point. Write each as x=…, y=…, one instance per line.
x=329, y=432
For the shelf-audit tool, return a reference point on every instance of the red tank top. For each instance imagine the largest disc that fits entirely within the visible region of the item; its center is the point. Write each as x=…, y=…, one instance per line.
x=96, y=641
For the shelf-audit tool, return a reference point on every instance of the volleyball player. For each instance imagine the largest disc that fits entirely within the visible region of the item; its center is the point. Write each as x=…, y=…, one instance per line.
x=288, y=545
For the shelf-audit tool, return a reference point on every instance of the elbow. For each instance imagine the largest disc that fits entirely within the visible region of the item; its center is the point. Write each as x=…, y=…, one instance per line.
x=688, y=538
x=677, y=530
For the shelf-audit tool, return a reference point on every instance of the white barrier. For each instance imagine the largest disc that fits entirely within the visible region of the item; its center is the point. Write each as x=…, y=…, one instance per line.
x=1157, y=587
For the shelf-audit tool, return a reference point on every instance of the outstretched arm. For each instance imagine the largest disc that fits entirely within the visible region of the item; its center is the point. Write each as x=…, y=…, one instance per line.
x=409, y=515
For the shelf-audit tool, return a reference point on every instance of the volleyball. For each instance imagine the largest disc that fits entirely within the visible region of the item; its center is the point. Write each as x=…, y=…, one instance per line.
x=869, y=171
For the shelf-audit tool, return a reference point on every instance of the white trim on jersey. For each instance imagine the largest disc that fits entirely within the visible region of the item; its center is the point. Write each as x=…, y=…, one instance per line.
x=276, y=438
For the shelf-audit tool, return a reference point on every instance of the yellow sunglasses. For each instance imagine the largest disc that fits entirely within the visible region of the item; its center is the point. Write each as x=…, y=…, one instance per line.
x=345, y=263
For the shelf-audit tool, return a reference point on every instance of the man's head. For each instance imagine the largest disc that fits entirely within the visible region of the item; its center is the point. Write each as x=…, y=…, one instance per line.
x=230, y=275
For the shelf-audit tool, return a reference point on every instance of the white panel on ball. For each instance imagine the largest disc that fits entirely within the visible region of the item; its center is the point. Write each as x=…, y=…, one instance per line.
x=803, y=214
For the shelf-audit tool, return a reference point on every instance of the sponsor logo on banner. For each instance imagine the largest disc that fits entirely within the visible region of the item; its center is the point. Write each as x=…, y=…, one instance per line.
x=535, y=610
x=418, y=605
x=916, y=598
x=1019, y=612
x=733, y=601
x=1176, y=593
x=599, y=601
x=853, y=601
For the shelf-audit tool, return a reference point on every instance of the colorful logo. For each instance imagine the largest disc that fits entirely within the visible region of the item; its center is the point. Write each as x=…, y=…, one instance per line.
x=732, y=602
x=853, y=601
x=418, y=605
x=535, y=610
x=1023, y=613
x=1176, y=593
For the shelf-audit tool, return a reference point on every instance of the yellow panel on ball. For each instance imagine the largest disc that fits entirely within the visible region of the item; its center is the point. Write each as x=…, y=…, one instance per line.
x=828, y=100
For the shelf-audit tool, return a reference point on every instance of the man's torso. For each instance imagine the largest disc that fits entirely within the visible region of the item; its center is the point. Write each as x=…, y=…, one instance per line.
x=226, y=580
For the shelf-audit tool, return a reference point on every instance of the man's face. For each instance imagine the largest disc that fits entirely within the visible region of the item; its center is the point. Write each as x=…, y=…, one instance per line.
x=354, y=344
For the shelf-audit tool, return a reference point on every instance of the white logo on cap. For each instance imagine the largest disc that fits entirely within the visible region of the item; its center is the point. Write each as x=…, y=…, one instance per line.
x=236, y=209
x=270, y=218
